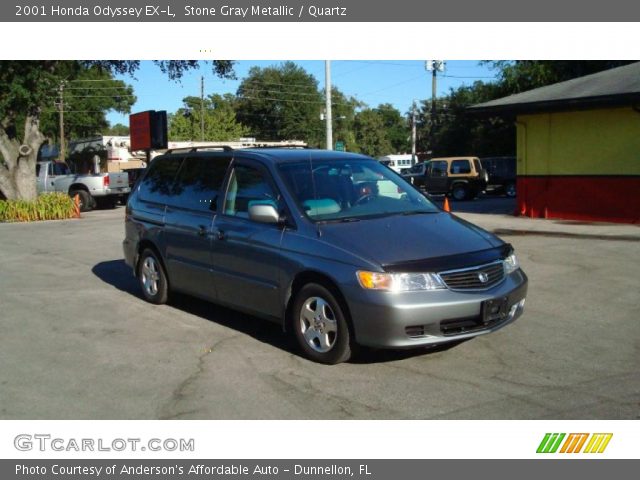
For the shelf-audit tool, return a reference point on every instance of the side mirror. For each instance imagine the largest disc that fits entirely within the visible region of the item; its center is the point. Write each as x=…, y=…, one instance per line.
x=264, y=213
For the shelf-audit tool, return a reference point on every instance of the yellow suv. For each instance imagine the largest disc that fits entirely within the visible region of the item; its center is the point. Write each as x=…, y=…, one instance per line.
x=461, y=177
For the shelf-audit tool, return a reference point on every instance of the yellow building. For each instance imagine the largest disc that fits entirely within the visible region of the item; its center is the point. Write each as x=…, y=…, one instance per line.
x=578, y=146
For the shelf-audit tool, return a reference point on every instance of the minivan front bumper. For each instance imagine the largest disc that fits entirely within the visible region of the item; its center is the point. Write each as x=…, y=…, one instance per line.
x=413, y=319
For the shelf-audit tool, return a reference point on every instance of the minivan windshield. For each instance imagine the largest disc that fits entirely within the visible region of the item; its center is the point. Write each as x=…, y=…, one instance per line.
x=351, y=189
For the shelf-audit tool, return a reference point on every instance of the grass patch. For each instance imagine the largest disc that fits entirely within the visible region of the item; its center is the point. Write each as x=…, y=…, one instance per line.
x=48, y=206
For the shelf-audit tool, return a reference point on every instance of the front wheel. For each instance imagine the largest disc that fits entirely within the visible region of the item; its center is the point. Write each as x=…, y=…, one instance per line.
x=510, y=189
x=320, y=325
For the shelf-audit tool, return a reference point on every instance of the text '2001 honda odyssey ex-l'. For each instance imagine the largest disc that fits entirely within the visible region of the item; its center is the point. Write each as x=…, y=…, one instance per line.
x=337, y=247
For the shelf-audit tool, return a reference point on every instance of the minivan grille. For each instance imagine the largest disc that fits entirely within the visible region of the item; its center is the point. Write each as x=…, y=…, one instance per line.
x=474, y=278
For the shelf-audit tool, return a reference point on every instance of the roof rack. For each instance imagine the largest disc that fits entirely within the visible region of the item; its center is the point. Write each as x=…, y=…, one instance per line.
x=224, y=148
x=279, y=146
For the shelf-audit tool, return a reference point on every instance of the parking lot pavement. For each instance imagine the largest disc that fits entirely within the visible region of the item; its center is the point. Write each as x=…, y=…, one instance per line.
x=79, y=342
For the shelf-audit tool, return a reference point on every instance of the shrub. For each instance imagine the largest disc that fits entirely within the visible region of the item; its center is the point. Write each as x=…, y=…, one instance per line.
x=48, y=206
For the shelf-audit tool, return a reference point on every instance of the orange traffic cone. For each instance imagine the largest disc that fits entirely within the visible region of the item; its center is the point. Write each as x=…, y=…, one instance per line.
x=446, y=206
x=76, y=205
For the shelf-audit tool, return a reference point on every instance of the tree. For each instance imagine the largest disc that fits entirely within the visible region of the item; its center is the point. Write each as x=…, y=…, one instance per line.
x=281, y=103
x=117, y=130
x=454, y=131
x=396, y=126
x=27, y=91
x=220, y=122
x=522, y=75
x=371, y=134
x=86, y=99
x=343, y=113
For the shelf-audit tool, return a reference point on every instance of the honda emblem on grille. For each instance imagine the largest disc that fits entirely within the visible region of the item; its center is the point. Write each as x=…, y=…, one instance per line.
x=483, y=277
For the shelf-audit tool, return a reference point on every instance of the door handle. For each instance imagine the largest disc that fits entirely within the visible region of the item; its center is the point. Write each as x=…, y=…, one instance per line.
x=220, y=235
x=202, y=230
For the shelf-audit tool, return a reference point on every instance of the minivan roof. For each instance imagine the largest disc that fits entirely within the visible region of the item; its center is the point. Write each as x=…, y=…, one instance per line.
x=282, y=155
x=278, y=155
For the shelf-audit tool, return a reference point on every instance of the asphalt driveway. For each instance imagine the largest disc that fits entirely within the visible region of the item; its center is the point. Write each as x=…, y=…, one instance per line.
x=78, y=342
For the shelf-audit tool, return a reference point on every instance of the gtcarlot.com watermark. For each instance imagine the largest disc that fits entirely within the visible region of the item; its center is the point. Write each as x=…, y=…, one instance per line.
x=44, y=442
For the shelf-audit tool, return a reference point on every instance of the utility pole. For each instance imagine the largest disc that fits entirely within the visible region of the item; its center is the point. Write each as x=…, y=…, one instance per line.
x=435, y=66
x=413, y=134
x=61, y=153
x=202, y=108
x=328, y=117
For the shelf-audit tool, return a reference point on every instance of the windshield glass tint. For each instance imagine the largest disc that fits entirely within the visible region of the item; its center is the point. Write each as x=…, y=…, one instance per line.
x=351, y=189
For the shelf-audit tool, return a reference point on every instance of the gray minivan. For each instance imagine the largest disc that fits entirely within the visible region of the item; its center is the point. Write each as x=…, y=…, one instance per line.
x=336, y=247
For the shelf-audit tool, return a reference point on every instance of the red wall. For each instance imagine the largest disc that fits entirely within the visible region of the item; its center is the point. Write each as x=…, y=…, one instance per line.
x=589, y=197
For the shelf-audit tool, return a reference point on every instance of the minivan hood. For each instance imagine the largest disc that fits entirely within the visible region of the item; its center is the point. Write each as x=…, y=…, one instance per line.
x=414, y=239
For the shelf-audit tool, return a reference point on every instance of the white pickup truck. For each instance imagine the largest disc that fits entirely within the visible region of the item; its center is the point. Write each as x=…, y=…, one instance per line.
x=103, y=189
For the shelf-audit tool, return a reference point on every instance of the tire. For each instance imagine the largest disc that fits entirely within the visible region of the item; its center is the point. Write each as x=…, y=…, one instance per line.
x=484, y=179
x=320, y=326
x=86, y=202
x=152, y=278
x=510, y=190
x=460, y=191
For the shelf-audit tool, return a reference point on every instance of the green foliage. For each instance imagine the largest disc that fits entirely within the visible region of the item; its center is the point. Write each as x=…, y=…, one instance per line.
x=220, y=122
x=48, y=206
x=396, y=126
x=87, y=98
x=30, y=90
x=117, y=130
x=343, y=111
x=371, y=134
x=523, y=75
x=281, y=103
x=454, y=131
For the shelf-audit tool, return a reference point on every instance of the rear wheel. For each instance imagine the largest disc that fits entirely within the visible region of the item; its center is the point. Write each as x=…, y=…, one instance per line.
x=320, y=325
x=152, y=278
x=460, y=191
x=84, y=199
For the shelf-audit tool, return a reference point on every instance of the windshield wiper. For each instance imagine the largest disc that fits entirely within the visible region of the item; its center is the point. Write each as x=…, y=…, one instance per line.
x=419, y=212
x=339, y=220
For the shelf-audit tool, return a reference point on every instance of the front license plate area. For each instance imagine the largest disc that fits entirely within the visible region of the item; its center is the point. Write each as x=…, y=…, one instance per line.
x=494, y=310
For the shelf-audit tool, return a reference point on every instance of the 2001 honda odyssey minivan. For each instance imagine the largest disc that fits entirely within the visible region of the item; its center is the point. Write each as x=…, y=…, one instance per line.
x=335, y=246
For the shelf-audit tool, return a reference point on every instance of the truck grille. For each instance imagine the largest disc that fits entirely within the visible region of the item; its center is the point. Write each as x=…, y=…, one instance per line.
x=474, y=278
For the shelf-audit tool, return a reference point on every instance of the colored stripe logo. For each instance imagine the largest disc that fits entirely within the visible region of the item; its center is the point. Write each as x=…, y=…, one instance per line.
x=574, y=443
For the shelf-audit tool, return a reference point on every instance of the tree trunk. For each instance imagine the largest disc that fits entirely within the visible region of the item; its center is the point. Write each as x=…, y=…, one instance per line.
x=18, y=171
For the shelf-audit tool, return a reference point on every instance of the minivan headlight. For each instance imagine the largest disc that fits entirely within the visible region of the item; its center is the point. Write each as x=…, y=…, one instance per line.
x=511, y=264
x=399, y=282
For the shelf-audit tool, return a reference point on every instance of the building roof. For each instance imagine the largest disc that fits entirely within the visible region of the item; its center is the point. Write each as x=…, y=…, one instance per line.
x=615, y=87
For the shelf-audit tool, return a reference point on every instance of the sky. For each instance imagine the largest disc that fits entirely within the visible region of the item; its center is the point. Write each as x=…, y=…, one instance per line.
x=371, y=81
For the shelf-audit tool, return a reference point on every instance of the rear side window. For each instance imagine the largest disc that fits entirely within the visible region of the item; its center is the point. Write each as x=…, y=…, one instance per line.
x=198, y=183
x=157, y=184
x=460, y=166
x=476, y=164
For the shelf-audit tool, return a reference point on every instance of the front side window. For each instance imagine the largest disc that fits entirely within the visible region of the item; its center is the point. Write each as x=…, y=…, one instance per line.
x=248, y=186
x=438, y=168
x=350, y=189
